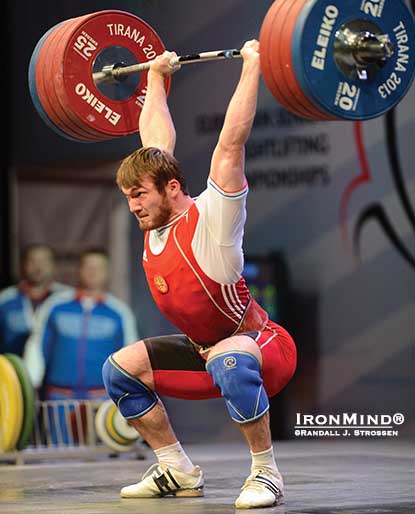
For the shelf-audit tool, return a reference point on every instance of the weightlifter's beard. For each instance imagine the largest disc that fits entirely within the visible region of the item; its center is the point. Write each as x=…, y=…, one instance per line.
x=160, y=217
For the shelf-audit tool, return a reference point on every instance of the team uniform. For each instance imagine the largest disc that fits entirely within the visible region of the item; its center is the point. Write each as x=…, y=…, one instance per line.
x=193, y=267
x=194, y=270
x=17, y=310
x=72, y=338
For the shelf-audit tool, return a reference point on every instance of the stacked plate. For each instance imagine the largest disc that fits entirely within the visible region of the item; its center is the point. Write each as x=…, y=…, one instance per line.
x=17, y=404
x=113, y=429
x=312, y=67
x=62, y=69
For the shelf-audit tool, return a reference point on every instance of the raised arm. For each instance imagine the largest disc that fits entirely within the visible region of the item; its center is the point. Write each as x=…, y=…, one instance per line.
x=156, y=125
x=228, y=160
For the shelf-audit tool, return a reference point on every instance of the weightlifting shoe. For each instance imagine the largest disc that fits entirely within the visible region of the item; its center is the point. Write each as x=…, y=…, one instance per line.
x=162, y=480
x=263, y=488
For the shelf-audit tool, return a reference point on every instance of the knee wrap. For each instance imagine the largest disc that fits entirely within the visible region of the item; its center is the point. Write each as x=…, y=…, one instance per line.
x=131, y=396
x=237, y=374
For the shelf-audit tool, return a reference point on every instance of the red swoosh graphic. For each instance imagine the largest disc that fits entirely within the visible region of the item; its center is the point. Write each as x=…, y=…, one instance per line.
x=365, y=176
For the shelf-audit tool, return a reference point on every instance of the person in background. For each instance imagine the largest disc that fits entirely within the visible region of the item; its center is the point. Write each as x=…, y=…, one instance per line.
x=19, y=303
x=76, y=331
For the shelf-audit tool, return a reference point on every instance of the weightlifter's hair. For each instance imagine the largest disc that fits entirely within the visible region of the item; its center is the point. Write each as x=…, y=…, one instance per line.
x=150, y=162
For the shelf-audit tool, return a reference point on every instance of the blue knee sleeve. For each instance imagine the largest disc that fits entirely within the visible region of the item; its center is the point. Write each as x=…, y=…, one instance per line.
x=130, y=395
x=237, y=374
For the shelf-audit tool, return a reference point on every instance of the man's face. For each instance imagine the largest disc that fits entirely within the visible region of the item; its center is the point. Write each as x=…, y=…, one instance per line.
x=151, y=208
x=93, y=272
x=39, y=266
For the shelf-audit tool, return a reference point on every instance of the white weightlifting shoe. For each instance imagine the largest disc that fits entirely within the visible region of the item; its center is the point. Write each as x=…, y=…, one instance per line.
x=263, y=488
x=161, y=480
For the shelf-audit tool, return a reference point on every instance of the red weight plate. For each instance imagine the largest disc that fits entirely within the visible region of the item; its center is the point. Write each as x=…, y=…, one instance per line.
x=51, y=74
x=98, y=32
x=43, y=84
x=47, y=90
x=288, y=74
x=270, y=55
x=265, y=54
x=278, y=52
x=55, y=75
x=282, y=46
x=53, y=67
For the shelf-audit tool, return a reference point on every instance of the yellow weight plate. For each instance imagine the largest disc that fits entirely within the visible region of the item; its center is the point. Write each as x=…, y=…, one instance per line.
x=28, y=395
x=123, y=429
x=102, y=432
x=110, y=426
x=11, y=406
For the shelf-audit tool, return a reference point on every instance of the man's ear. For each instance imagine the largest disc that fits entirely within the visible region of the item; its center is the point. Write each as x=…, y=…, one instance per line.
x=173, y=187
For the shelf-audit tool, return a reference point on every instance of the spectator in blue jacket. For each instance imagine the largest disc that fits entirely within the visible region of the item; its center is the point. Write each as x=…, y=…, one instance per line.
x=19, y=303
x=76, y=331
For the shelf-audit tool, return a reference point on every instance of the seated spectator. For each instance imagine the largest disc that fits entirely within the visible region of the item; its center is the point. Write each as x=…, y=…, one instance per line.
x=18, y=303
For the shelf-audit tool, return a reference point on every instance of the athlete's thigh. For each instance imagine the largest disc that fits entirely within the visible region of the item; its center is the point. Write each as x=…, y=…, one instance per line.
x=178, y=369
x=243, y=342
x=279, y=357
x=274, y=349
x=134, y=359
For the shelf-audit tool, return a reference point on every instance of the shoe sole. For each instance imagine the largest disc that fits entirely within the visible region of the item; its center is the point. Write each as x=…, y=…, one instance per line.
x=188, y=493
x=278, y=501
x=180, y=493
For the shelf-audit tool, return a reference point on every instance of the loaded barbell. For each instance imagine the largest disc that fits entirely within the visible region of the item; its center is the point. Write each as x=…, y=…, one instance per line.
x=320, y=59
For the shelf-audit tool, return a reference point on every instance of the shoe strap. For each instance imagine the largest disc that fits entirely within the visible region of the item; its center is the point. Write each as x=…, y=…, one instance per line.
x=150, y=470
x=260, y=478
x=164, y=480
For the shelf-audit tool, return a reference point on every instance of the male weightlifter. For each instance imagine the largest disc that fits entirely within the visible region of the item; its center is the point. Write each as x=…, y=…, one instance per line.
x=193, y=261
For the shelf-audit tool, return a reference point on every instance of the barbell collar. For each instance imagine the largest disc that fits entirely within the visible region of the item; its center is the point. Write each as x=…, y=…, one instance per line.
x=361, y=50
x=371, y=48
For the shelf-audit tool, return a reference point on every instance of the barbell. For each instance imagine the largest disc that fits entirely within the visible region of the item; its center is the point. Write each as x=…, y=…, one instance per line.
x=321, y=60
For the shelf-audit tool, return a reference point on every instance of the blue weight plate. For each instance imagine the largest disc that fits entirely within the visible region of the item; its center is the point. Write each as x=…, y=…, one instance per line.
x=330, y=89
x=33, y=91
